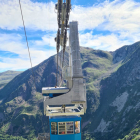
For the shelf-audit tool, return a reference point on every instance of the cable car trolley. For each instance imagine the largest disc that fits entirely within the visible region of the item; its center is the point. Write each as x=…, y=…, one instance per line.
x=64, y=105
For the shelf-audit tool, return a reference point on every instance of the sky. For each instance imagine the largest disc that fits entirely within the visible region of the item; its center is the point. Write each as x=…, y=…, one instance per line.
x=103, y=24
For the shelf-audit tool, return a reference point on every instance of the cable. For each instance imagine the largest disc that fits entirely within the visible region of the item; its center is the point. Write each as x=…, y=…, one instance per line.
x=63, y=59
x=27, y=43
x=57, y=69
x=63, y=33
x=61, y=62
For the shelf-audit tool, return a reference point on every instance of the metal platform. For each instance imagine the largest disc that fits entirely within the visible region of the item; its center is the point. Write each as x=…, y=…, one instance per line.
x=54, y=90
x=67, y=111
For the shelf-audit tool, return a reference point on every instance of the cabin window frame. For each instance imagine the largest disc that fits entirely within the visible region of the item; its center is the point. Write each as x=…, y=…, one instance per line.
x=70, y=130
x=65, y=128
x=79, y=127
x=56, y=128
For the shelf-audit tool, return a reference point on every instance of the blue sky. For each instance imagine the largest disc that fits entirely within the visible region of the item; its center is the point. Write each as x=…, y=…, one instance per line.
x=103, y=24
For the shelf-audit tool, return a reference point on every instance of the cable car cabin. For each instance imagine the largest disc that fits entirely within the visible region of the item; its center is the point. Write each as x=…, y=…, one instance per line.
x=65, y=128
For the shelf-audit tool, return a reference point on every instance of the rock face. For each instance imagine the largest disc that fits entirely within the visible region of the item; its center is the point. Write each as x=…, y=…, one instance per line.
x=113, y=91
x=120, y=101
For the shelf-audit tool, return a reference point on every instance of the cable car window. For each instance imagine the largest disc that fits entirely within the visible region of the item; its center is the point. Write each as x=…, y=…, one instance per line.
x=70, y=127
x=54, y=128
x=77, y=127
x=65, y=128
x=62, y=128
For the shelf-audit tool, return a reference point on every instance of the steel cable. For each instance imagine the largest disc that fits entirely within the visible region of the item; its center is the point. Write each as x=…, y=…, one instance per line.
x=27, y=44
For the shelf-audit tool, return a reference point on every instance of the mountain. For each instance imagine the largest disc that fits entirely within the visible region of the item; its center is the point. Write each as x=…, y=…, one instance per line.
x=112, y=81
x=7, y=76
x=118, y=112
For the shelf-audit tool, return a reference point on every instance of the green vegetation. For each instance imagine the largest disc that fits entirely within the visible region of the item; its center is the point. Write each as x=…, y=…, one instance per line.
x=87, y=136
x=7, y=76
x=38, y=96
x=5, y=127
x=4, y=136
x=134, y=133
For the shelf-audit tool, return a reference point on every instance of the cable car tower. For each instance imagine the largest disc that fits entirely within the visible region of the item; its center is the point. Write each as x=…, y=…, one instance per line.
x=64, y=105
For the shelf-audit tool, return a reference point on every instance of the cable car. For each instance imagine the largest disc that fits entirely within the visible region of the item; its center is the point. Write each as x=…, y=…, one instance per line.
x=65, y=128
x=64, y=105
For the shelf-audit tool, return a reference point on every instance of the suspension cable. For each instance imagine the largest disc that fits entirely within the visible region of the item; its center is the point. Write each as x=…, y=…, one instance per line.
x=63, y=35
x=57, y=69
x=27, y=43
x=61, y=62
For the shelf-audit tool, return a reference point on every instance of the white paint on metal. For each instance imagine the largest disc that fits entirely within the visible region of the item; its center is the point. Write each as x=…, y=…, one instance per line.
x=55, y=90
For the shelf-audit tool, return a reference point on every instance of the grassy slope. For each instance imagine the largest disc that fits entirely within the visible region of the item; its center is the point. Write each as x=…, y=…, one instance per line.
x=134, y=134
x=96, y=65
x=7, y=76
x=4, y=136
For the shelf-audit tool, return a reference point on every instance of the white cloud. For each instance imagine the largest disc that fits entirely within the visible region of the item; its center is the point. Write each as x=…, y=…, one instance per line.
x=113, y=16
x=100, y=41
x=47, y=39
x=37, y=16
x=120, y=18
x=117, y=17
x=109, y=42
x=12, y=43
